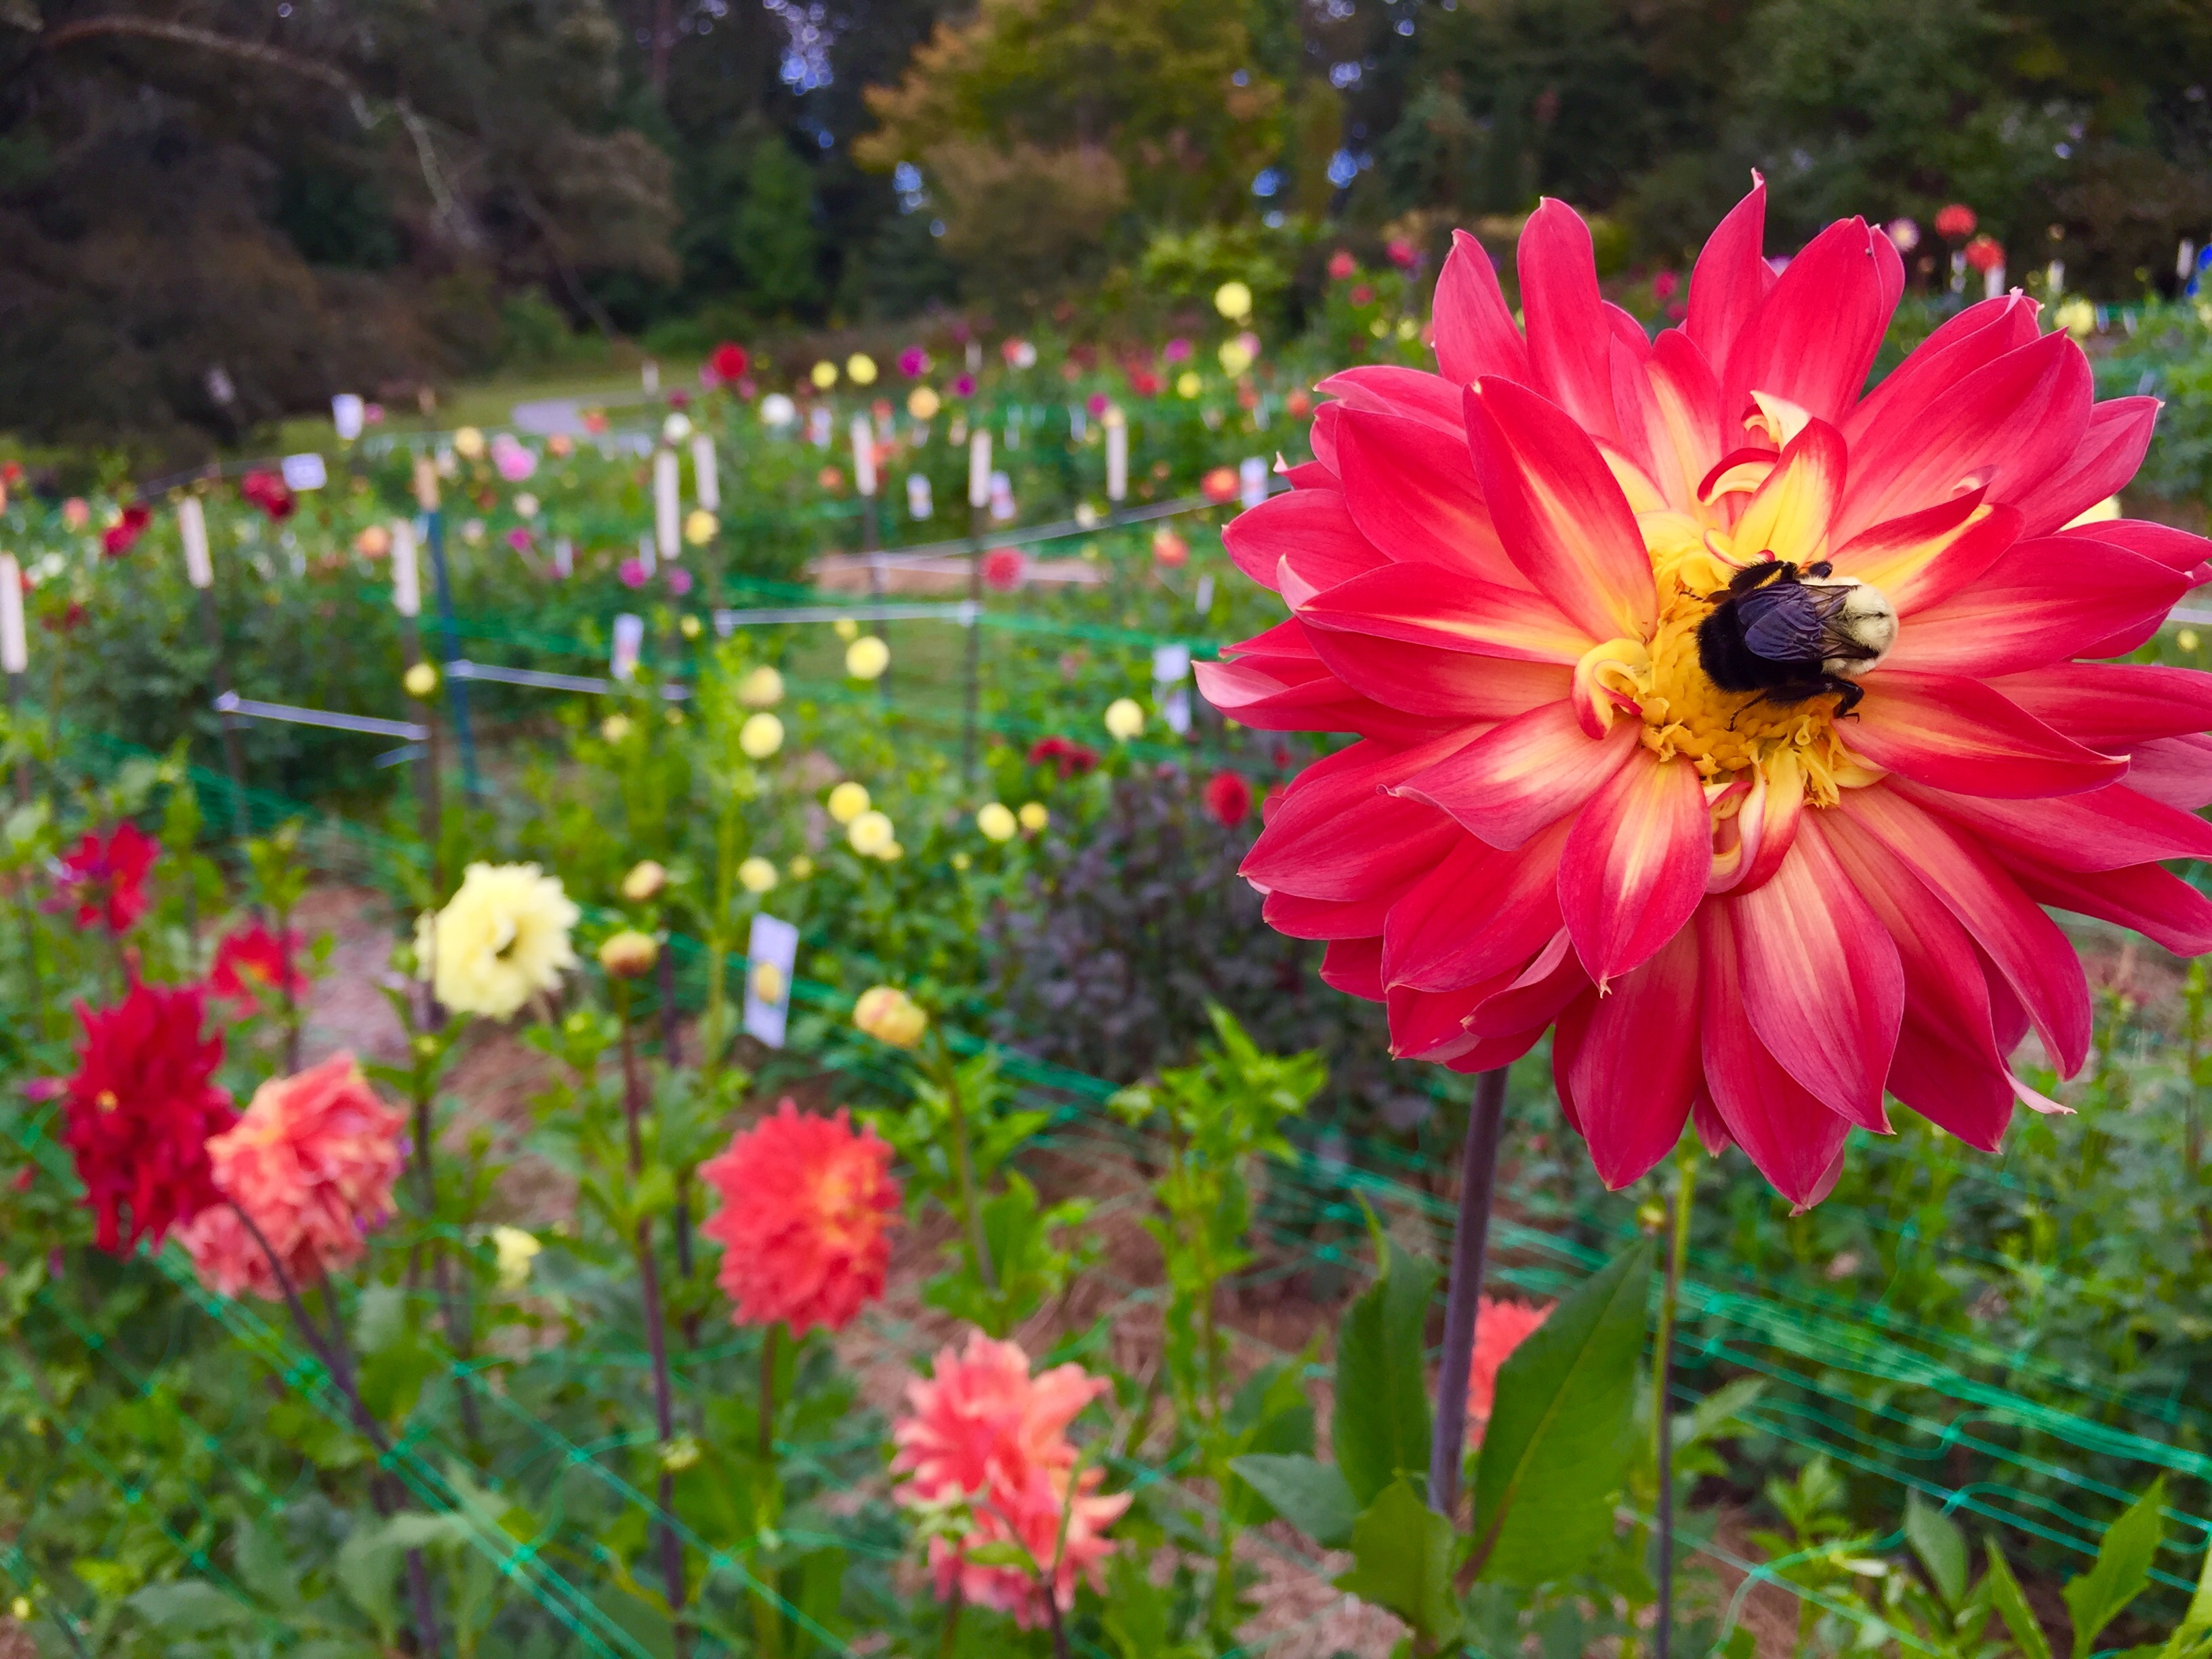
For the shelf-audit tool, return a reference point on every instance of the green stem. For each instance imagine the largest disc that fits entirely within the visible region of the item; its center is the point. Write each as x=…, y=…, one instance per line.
x=963, y=1169
x=948, y=1636
x=1663, y=1376
x=712, y=1038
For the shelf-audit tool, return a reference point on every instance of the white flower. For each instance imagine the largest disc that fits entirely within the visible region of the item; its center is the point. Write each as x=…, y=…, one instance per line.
x=1124, y=720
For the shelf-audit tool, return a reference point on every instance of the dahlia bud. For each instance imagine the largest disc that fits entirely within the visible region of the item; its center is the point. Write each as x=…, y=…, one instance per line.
x=644, y=882
x=760, y=688
x=996, y=823
x=761, y=736
x=848, y=800
x=630, y=954
x=1124, y=720
x=889, y=1015
x=1034, y=817
x=757, y=875
x=420, y=681
x=866, y=658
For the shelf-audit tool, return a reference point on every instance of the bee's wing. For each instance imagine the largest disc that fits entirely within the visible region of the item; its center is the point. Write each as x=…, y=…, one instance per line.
x=1782, y=623
x=1835, y=638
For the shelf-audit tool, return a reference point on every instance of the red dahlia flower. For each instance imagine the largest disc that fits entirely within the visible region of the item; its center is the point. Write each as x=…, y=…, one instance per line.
x=1738, y=721
x=1229, y=799
x=269, y=492
x=806, y=1217
x=1071, y=759
x=139, y=1111
x=729, y=363
x=252, y=959
x=1955, y=221
x=1004, y=568
x=106, y=878
x=123, y=535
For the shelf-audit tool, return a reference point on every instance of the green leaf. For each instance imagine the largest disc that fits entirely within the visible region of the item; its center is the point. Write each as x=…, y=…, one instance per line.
x=1402, y=1556
x=1716, y=1410
x=1381, y=1427
x=189, y=1606
x=2120, y=1571
x=1305, y=1491
x=2012, y=1608
x=1941, y=1547
x=1560, y=1432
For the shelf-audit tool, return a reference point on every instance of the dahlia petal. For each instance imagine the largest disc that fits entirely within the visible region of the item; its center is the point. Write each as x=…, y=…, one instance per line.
x=1411, y=489
x=1730, y=279
x=1328, y=423
x=1923, y=558
x=1475, y=330
x=2026, y=946
x=1547, y=985
x=1524, y=774
x=1946, y=1066
x=1787, y=518
x=1393, y=389
x=2113, y=706
x=1308, y=475
x=1491, y=1052
x=1280, y=696
x=1791, y=1138
x=1686, y=401
x=2111, y=450
x=1632, y=1061
x=1326, y=919
x=1633, y=460
x=1442, y=685
x=1820, y=329
x=1430, y=605
x=2106, y=828
x=2175, y=771
x=1980, y=334
x=1568, y=333
x=2011, y=424
x=1822, y=986
x=1354, y=966
x=1312, y=526
x=1560, y=515
x=2154, y=902
x=1371, y=845
x=1959, y=734
x=1705, y=1119
x=1635, y=868
x=2043, y=602
x=2177, y=549
x=1430, y=1025
x=1479, y=914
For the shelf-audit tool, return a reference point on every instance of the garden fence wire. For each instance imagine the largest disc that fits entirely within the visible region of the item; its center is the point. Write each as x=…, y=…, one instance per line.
x=2040, y=1455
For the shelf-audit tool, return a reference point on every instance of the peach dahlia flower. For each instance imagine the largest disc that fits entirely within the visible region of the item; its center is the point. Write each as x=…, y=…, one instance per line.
x=1736, y=721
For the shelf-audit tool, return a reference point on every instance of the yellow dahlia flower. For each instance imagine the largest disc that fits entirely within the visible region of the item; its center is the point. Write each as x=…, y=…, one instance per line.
x=503, y=937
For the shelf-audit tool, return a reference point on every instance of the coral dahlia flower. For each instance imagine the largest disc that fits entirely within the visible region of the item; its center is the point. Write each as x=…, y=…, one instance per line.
x=986, y=1444
x=1737, y=721
x=807, y=1206
x=1500, y=1327
x=313, y=1162
x=139, y=1110
x=105, y=877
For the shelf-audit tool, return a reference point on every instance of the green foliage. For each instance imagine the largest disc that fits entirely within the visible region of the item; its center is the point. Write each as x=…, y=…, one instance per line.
x=1401, y=1553
x=1380, y=1429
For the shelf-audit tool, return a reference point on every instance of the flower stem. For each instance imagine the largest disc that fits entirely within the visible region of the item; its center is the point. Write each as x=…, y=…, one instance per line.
x=948, y=1635
x=964, y=1170
x=1478, y=1182
x=656, y=1335
x=768, y=1396
x=1663, y=1377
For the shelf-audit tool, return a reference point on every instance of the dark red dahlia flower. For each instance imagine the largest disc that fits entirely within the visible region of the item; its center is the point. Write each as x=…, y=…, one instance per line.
x=106, y=878
x=139, y=1110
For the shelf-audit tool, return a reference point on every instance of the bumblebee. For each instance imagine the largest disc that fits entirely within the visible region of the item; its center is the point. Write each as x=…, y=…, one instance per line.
x=1791, y=634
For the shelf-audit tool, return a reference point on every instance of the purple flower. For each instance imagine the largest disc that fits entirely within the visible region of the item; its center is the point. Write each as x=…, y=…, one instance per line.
x=678, y=580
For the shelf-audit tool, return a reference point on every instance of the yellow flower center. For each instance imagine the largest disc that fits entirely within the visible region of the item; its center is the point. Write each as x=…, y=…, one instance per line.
x=1724, y=734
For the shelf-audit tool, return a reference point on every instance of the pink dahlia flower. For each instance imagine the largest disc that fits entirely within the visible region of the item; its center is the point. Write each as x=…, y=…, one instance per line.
x=985, y=1437
x=807, y=1206
x=1737, y=721
x=313, y=1162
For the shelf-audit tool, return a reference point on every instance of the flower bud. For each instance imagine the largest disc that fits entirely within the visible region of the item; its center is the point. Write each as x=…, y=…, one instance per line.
x=760, y=688
x=847, y=801
x=870, y=834
x=889, y=1015
x=700, y=525
x=761, y=736
x=615, y=727
x=1034, y=817
x=996, y=823
x=801, y=867
x=757, y=875
x=420, y=681
x=1124, y=720
x=867, y=657
x=644, y=882
x=630, y=954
